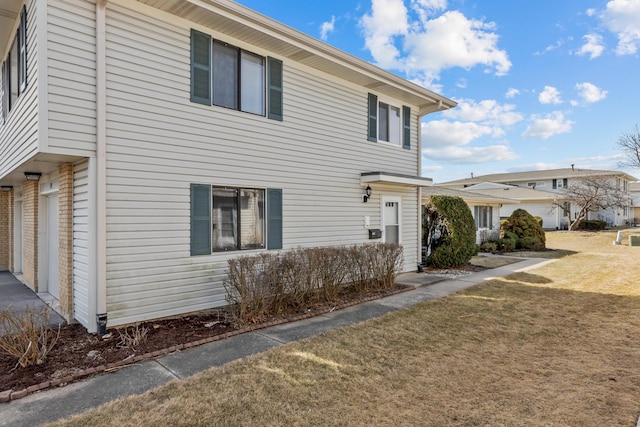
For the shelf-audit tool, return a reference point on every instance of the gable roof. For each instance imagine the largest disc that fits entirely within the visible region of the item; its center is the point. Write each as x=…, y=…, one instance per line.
x=521, y=194
x=249, y=26
x=467, y=196
x=537, y=175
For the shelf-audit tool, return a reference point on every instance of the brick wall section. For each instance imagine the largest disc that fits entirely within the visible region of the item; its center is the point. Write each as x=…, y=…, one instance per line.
x=65, y=239
x=4, y=231
x=30, y=234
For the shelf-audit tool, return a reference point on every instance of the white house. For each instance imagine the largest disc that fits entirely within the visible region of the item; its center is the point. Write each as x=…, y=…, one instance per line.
x=144, y=143
x=539, y=202
x=486, y=209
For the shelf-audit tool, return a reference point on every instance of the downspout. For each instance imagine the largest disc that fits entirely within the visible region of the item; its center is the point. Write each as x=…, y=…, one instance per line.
x=101, y=168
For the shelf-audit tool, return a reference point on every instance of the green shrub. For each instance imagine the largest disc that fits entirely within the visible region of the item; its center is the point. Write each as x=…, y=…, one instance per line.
x=592, y=224
x=450, y=232
x=530, y=244
x=489, y=246
x=507, y=244
x=523, y=225
x=538, y=220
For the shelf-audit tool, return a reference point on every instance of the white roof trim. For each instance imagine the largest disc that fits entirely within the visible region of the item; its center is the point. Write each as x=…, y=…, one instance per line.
x=394, y=179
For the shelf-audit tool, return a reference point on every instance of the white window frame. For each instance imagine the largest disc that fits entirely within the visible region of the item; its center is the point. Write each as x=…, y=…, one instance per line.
x=398, y=131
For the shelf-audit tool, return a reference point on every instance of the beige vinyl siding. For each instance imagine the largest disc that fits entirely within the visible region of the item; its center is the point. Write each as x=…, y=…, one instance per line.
x=159, y=143
x=81, y=243
x=72, y=77
x=19, y=134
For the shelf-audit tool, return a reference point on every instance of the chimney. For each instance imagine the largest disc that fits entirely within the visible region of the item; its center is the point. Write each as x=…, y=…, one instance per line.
x=572, y=169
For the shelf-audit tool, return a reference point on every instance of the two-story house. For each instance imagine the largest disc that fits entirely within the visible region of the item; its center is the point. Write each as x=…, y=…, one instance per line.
x=539, y=191
x=144, y=143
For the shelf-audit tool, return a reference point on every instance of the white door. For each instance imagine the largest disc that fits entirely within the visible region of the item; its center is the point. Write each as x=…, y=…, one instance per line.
x=391, y=218
x=53, y=286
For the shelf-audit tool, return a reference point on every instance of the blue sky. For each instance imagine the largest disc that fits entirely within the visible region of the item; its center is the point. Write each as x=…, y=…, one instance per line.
x=540, y=85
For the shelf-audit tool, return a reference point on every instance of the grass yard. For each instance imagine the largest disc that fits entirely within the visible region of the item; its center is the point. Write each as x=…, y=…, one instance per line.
x=558, y=345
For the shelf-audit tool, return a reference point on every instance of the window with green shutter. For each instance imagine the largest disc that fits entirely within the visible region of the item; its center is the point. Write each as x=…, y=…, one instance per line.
x=231, y=219
x=372, y=134
x=227, y=76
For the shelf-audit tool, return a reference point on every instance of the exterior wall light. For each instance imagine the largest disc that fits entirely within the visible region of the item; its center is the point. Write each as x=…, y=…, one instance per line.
x=367, y=195
x=32, y=176
x=6, y=188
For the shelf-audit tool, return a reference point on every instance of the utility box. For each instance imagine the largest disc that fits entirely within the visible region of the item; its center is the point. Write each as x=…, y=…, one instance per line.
x=634, y=240
x=375, y=233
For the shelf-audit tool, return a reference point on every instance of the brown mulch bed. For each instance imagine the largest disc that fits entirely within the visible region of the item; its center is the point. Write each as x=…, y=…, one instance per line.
x=78, y=353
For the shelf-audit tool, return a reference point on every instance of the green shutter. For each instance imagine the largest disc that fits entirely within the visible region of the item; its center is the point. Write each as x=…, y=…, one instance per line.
x=372, y=134
x=274, y=81
x=274, y=218
x=200, y=67
x=406, y=127
x=22, y=54
x=200, y=219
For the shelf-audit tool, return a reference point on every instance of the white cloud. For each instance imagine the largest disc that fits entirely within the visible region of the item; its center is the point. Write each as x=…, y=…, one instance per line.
x=551, y=47
x=512, y=92
x=462, y=83
x=590, y=12
x=388, y=19
x=327, y=27
x=425, y=46
x=493, y=153
x=487, y=112
x=444, y=133
x=622, y=17
x=593, y=46
x=549, y=95
x=590, y=93
x=547, y=126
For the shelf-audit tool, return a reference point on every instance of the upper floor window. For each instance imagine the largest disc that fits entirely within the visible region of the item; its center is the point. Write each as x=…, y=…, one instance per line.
x=389, y=123
x=14, y=67
x=231, y=77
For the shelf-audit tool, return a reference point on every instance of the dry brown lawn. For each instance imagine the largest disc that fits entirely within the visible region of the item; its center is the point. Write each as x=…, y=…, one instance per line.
x=558, y=345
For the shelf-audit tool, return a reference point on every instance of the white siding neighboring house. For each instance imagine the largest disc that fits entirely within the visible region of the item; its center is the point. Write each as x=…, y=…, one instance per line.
x=552, y=181
x=485, y=209
x=634, y=191
x=170, y=136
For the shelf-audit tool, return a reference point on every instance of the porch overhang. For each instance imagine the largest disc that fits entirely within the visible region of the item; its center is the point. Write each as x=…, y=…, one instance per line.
x=389, y=178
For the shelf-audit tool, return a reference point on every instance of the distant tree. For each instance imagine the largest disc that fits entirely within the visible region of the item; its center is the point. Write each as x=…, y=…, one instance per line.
x=591, y=194
x=629, y=142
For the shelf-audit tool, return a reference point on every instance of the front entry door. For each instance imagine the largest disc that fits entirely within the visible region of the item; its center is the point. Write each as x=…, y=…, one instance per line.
x=53, y=285
x=391, y=215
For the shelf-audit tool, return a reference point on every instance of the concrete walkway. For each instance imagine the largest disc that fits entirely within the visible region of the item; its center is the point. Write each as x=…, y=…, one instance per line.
x=17, y=297
x=54, y=404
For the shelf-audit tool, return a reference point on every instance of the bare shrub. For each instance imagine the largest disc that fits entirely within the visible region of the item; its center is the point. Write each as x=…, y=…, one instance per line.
x=133, y=336
x=266, y=285
x=27, y=335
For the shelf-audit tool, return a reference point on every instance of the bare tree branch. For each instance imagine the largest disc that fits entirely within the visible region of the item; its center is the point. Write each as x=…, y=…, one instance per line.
x=629, y=142
x=591, y=194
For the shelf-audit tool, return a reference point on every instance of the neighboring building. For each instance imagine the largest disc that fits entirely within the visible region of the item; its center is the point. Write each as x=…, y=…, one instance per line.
x=551, y=181
x=170, y=136
x=536, y=202
x=485, y=209
x=634, y=190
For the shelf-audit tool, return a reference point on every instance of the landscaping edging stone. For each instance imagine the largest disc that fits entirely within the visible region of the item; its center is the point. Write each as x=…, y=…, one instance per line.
x=9, y=395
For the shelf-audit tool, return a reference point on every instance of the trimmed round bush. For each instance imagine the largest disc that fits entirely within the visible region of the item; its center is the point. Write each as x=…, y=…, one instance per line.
x=523, y=225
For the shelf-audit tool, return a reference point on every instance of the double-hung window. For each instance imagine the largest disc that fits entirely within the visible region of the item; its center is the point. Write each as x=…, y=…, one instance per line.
x=484, y=217
x=233, y=219
x=389, y=123
x=14, y=68
x=227, y=76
